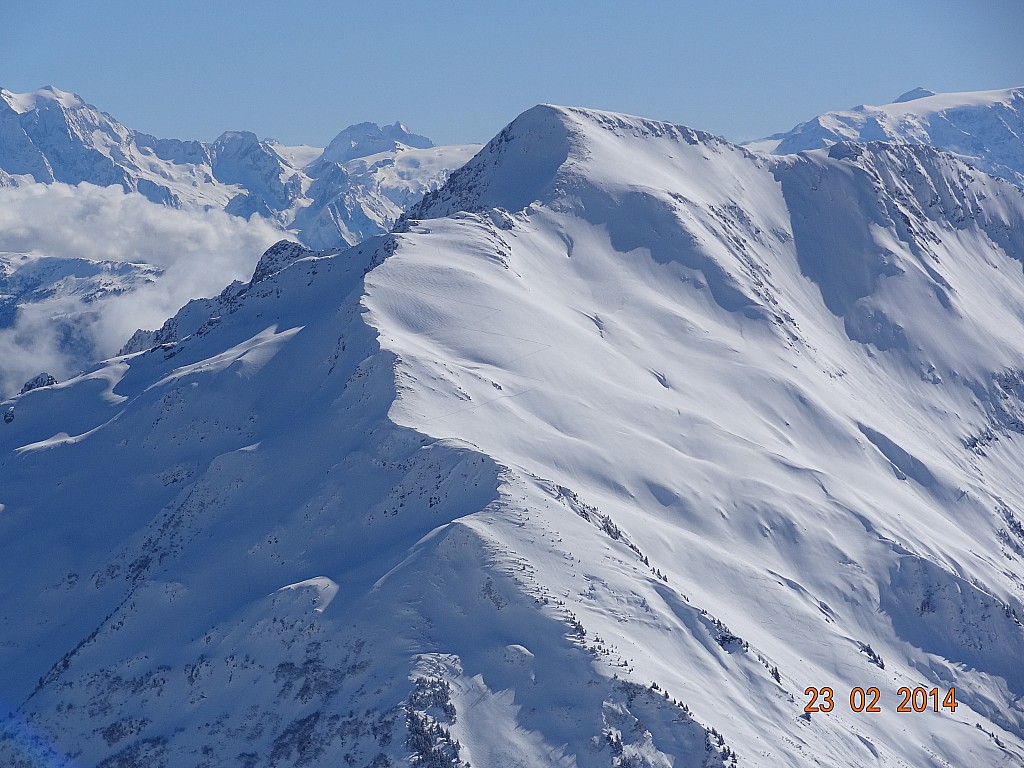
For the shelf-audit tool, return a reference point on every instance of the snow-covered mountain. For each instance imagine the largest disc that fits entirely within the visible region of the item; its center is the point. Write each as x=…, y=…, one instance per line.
x=58, y=300
x=81, y=267
x=986, y=128
x=29, y=278
x=626, y=438
x=353, y=189
x=364, y=196
x=367, y=139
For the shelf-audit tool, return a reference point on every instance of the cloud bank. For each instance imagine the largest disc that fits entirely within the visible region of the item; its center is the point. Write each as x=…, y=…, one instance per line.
x=199, y=252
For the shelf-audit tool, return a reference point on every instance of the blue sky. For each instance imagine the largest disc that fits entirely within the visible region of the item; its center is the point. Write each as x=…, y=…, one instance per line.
x=459, y=71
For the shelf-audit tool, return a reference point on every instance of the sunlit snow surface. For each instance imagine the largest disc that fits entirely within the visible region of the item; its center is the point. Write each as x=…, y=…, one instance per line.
x=984, y=127
x=620, y=421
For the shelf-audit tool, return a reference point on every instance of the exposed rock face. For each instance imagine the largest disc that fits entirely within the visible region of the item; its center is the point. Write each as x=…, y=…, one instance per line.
x=276, y=258
x=42, y=380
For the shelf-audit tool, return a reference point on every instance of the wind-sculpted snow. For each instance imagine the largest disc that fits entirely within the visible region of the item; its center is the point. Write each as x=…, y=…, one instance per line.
x=232, y=661
x=912, y=249
x=776, y=463
x=583, y=466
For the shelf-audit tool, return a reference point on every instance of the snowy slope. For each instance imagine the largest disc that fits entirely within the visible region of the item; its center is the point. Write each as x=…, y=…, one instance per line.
x=624, y=439
x=51, y=135
x=984, y=127
x=52, y=140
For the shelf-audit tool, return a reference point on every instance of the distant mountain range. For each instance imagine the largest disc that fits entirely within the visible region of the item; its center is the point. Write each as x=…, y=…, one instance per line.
x=985, y=128
x=627, y=447
x=353, y=189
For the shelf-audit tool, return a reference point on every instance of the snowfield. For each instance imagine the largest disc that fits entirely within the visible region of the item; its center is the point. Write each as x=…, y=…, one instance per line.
x=622, y=440
x=985, y=128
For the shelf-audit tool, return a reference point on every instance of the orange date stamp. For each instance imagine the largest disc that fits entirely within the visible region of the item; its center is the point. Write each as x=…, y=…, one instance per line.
x=868, y=700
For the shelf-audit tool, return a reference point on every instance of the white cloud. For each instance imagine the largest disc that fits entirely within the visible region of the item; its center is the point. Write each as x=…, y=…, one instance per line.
x=200, y=251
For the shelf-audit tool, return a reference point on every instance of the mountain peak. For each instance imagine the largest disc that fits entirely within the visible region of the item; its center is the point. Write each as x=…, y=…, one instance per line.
x=57, y=92
x=236, y=138
x=363, y=139
x=550, y=149
x=277, y=257
x=42, y=98
x=914, y=94
x=514, y=168
x=51, y=135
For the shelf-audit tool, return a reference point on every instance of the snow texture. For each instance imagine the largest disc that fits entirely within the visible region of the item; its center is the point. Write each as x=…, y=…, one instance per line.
x=622, y=440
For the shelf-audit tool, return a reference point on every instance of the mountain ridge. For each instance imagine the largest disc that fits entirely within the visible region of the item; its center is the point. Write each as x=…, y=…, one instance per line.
x=52, y=135
x=983, y=127
x=585, y=464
